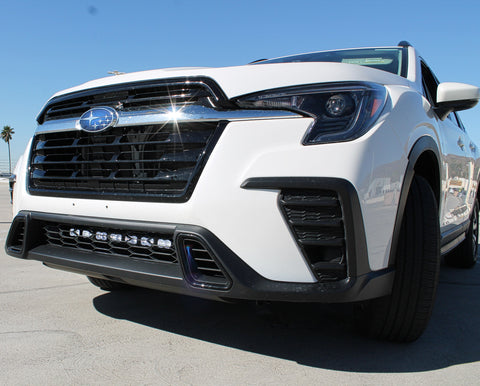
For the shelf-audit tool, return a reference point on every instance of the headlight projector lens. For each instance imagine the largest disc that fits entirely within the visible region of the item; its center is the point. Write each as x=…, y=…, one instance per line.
x=339, y=105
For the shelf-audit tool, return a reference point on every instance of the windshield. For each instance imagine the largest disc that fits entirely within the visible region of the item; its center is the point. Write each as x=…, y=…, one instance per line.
x=393, y=60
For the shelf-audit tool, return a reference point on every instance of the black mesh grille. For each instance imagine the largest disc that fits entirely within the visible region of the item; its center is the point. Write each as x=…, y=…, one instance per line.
x=316, y=220
x=132, y=244
x=152, y=162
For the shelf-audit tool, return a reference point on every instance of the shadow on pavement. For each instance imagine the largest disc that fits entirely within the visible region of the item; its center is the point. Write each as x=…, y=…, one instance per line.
x=315, y=335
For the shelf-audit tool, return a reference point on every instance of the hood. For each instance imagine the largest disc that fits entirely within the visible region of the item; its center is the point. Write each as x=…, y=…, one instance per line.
x=240, y=80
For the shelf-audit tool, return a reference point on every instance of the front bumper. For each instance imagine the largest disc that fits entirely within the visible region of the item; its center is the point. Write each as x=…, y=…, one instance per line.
x=31, y=237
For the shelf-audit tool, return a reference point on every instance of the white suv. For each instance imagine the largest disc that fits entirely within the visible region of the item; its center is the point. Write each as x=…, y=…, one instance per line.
x=336, y=176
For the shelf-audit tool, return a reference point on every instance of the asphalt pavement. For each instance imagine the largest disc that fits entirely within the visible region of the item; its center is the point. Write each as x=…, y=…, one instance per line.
x=56, y=328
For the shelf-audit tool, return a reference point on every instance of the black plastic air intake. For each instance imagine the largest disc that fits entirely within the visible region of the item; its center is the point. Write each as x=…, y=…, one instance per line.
x=16, y=237
x=315, y=218
x=200, y=267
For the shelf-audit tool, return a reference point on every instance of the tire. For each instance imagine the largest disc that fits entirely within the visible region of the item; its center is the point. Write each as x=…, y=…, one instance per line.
x=465, y=255
x=107, y=285
x=404, y=314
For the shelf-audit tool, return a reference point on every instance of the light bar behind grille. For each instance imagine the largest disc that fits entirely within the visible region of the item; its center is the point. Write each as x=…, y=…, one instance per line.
x=61, y=235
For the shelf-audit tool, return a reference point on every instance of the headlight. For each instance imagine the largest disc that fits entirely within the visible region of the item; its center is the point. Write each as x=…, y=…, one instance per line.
x=342, y=112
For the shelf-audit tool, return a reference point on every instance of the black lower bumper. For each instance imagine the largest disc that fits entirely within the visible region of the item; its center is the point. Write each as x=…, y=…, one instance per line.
x=232, y=278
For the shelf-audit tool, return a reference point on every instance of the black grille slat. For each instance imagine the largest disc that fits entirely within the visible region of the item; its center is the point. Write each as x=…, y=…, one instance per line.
x=316, y=220
x=173, y=140
x=211, y=270
x=153, y=162
x=171, y=158
x=154, y=100
x=326, y=242
x=314, y=201
x=65, y=112
x=317, y=223
x=329, y=266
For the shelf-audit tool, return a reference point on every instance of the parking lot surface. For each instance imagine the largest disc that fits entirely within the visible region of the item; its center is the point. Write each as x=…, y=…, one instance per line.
x=57, y=328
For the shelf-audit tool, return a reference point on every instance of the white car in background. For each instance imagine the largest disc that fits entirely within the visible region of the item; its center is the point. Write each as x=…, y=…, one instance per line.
x=336, y=176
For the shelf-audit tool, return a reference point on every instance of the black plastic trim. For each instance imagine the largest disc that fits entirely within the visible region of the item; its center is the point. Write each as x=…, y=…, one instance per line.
x=446, y=248
x=443, y=109
x=186, y=269
x=10, y=246
x=319, y=268
x=404, y=43
x=453, y=236
x=404, y=69
x=424, y=144
x=246, y=283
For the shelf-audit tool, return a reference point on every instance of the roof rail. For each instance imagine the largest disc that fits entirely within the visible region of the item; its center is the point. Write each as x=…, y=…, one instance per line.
x=258, y=60
x=404, y=43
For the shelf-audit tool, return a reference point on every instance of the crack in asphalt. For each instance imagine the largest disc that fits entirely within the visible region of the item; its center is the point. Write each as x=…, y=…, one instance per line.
x=43, y=288
x=48, y=331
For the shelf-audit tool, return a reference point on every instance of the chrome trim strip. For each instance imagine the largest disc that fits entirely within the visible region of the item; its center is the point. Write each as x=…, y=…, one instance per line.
x=58, y=125
x=188, y=113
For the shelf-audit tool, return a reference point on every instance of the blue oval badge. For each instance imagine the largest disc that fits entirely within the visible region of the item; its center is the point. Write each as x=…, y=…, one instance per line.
x=98, y=119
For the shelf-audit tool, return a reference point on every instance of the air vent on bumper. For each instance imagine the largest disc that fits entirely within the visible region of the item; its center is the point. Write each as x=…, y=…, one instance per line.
x=16, y=237
x=315, y=218
x=200, y=267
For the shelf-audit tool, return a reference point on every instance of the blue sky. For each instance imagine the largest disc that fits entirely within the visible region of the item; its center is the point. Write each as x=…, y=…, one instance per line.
x=52, y=45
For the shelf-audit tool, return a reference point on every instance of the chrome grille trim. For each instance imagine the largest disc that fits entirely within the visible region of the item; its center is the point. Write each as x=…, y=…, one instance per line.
x=189, y=113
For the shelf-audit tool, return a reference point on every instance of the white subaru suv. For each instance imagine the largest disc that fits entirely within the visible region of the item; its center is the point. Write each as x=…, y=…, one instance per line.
x=336, y=176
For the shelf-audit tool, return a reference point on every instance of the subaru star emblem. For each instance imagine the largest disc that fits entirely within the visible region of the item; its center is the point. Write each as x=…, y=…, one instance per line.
x=98, y=119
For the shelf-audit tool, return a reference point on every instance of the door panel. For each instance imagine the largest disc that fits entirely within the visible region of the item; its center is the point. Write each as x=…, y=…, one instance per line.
x=458, y=173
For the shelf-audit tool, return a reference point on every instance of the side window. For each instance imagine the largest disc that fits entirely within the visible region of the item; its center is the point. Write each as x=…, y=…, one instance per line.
x=430, y=84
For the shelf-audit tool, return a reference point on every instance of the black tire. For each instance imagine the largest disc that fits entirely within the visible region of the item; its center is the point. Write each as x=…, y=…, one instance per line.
x=404, y=315
x=465, y=255
x=107, y=285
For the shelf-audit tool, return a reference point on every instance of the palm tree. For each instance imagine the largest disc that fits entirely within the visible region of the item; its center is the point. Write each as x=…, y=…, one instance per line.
x=6, y=135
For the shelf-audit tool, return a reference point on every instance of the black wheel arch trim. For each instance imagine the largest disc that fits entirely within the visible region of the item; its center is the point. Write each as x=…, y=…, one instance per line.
x=422, y=145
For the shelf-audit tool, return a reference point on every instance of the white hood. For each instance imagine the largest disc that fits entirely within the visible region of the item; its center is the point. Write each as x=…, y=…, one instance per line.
x=240, y=80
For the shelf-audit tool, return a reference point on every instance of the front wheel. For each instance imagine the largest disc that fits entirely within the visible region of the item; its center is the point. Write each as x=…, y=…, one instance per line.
x=404, y=314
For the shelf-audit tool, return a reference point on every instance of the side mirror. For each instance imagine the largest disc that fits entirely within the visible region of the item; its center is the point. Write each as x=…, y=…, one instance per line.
x=455, y=97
